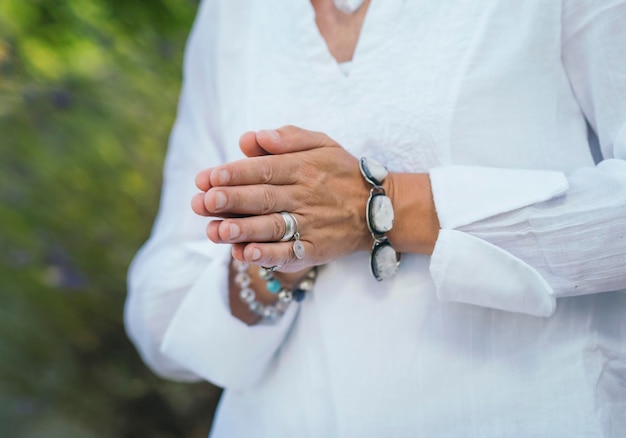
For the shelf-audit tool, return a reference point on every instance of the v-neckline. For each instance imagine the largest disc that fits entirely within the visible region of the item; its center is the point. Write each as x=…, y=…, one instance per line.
x=374, y=22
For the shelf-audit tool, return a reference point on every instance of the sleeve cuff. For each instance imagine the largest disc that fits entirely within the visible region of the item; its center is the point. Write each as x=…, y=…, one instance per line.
x=206, y=339
x=469, y=270
x=466, y=194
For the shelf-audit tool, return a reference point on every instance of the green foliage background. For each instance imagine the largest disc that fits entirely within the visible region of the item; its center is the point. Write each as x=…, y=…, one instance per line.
x=88, y=92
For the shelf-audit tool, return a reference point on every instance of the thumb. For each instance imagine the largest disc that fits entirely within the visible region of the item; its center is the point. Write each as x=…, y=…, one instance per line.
x=291, y=139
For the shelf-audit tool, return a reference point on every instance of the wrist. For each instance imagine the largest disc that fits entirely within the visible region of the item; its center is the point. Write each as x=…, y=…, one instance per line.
x=416, y=225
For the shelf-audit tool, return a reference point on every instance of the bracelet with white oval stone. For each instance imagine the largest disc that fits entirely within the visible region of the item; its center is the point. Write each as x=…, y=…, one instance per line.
x=384, y=260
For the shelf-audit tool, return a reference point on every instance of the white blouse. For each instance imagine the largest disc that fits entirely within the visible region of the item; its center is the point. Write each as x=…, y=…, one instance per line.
x=503, y=331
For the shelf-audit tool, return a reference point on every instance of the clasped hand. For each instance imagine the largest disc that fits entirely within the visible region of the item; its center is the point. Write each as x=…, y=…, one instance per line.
x=290, y=169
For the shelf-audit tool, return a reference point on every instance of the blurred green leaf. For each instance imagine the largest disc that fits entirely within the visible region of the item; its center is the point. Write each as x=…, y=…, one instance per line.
x=88, y=93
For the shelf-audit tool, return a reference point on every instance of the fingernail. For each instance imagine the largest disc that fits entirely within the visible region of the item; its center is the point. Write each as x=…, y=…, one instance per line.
x=271, y=133
x=223, y=177
x=256, y=254
x=234, y=231
x=220, y=200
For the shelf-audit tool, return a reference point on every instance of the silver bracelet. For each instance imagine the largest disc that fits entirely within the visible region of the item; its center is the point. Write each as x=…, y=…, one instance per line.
x=271, y=312
x=379, y=215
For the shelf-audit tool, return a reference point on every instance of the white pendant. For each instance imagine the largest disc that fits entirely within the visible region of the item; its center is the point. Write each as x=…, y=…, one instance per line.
x=298, y=247
x=348, y=6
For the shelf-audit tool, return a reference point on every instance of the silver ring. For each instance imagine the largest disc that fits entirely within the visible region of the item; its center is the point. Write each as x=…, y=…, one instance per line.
x=291, y=226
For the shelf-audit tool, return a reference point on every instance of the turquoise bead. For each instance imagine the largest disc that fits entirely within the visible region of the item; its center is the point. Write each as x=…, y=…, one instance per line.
x=273, y=286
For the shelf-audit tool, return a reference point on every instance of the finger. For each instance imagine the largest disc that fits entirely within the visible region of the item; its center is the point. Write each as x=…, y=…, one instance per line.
x=203, y=179
x=291, y=139
x=249, y=200
x=268, y=169
x=197, y=205
x=249, y=146
x=266, y=228
x=280, y=168
x=271, y=254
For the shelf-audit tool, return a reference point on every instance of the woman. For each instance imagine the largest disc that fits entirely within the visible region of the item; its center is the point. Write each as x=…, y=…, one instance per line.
x=494, y=323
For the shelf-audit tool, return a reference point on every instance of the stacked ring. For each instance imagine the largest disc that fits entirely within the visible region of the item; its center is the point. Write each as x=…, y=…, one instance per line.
x=291, y=232
x=291, y=226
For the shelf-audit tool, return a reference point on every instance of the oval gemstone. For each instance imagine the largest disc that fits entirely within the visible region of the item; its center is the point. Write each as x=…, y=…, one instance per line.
x=374, y=170
x=298, y=249
x=381, y=213
x=385, y=262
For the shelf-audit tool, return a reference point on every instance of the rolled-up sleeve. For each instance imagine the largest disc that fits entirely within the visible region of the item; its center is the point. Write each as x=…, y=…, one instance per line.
x=517, y=240
x=177, y=312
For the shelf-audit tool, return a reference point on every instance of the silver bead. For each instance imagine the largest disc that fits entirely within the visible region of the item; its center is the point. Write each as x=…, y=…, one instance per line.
x=312, y=274
x=241, y=267
x=247, y=295
x=257, y=308
x=265, y=274
x=242, y=279
x=306, y=284
x=270, y=313
x=281, y=306
x=285, y=296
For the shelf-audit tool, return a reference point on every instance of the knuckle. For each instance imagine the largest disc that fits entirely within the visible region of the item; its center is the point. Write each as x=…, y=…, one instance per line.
x=289, y=133
x=269, y=201
x=266, y=171
x=278, y=226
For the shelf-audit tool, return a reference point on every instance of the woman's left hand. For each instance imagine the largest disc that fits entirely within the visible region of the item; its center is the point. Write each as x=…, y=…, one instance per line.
x=301, y=172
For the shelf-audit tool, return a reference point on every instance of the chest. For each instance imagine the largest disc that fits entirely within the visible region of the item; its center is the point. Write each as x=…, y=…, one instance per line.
x=430, y=83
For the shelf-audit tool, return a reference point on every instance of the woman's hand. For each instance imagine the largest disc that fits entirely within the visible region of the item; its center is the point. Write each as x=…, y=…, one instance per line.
x=301, y=172
x=309, y=175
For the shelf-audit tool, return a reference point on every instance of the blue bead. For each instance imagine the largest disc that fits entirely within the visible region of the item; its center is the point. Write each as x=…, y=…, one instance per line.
x=298, y=294
x=274, y=286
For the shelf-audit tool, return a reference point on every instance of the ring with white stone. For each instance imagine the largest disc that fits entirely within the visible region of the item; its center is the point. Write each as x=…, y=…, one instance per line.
x=298, y=247
x=291, y=226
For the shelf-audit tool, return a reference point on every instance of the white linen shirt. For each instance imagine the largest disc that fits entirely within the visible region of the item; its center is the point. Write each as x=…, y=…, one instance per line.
x=515, y=326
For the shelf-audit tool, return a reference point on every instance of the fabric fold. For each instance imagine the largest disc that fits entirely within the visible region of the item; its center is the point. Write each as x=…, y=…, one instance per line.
x=466, y=194
x=205, y=338
x=469, y=270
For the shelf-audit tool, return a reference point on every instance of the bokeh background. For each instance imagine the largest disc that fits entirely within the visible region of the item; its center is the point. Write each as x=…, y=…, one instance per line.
x=88, y=94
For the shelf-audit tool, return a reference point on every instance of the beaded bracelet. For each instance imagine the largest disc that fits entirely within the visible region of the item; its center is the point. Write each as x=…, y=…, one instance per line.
x=285, y=296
